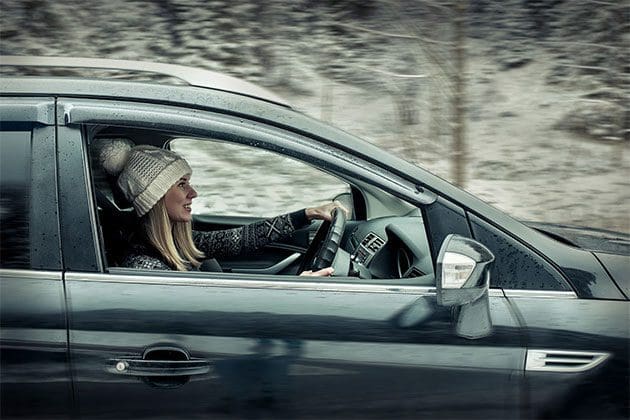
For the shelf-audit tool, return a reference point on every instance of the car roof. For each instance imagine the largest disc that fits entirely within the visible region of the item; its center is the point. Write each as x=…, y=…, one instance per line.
x=235, y=97
x=192, y=76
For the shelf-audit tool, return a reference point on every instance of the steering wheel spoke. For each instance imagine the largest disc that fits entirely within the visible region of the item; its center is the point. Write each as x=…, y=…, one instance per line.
x=322, y=250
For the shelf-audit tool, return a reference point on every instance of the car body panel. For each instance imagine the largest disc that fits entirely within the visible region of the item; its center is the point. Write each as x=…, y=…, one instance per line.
x=578, y=325
x=36, y=379
x=34, y=365
x=619, y=268
x=287, y=349
x=587, y=238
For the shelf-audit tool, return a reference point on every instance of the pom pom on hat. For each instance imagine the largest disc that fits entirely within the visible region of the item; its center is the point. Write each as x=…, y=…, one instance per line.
x=112, y=154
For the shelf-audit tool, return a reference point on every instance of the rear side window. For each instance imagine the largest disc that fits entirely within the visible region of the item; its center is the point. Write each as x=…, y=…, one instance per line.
x=15, y=193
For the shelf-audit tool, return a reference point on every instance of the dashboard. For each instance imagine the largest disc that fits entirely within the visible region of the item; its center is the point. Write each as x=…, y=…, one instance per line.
x=389, y=248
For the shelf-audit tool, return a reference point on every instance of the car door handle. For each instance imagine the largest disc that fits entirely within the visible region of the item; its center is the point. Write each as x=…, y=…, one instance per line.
x=163, y=368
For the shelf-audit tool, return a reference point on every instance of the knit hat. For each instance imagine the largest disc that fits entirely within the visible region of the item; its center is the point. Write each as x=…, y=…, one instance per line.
x=145, y=173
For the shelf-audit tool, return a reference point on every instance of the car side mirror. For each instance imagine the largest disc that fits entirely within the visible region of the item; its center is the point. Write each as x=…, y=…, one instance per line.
x=462, y=281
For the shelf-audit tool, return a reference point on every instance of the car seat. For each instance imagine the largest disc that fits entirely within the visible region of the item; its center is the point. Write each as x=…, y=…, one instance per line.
x=116, y=216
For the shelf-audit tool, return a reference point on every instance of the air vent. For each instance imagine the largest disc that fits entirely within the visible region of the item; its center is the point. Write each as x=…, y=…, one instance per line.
x=367, y=248
x=373, y=242
x=563, y=361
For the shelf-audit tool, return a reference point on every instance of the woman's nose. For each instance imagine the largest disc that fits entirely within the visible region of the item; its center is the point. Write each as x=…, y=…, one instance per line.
x=192, y=193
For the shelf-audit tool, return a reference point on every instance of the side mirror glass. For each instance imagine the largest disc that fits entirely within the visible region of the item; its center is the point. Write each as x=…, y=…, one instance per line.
x=463, y=280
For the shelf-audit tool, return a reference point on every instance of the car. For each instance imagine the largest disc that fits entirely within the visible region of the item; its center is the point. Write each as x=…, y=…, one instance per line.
x=441, y=306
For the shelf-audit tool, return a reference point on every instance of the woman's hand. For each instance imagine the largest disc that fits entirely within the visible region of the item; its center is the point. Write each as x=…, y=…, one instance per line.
x=324, y=212
x=324, y=272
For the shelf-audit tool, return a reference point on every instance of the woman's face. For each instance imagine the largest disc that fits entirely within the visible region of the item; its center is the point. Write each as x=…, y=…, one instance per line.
x=178, y=200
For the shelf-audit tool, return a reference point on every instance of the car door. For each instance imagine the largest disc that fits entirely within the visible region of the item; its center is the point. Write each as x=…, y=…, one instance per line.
x=217, y=344
x=34, y=368
x=213, y=345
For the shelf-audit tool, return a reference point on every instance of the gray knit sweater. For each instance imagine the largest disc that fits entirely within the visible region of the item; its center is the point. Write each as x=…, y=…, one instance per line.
x=221, y=243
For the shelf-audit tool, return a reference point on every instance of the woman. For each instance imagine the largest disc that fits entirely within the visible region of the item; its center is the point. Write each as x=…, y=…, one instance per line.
x=157, y=183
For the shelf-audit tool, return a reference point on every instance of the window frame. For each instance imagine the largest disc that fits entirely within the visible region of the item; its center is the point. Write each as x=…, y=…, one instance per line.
x=186, y=122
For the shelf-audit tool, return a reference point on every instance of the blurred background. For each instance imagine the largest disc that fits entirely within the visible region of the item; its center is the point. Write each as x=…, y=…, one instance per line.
x=524, y=103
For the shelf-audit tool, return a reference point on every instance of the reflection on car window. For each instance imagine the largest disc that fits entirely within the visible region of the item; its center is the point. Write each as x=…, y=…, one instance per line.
x=15, y=169
x=239, y=180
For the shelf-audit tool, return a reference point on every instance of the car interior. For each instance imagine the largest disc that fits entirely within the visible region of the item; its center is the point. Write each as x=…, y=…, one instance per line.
x=381, y=241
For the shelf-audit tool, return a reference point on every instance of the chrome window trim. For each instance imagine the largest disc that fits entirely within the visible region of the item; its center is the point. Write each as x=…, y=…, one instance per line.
x=31, y=274
x=249, y=283
x=222, y=280
x=496, y=293
x=539, y=294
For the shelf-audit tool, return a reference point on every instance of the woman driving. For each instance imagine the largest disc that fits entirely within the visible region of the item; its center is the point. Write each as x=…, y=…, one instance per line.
x=157, y=183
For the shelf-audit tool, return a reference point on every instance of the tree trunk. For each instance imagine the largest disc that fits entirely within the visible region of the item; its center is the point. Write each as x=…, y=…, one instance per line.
x=459, y=97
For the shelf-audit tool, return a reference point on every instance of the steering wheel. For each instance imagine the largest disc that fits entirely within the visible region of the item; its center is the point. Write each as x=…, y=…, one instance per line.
x=323, y=248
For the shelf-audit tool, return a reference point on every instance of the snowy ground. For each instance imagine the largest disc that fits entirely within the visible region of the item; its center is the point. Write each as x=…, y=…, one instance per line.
x=523, y=165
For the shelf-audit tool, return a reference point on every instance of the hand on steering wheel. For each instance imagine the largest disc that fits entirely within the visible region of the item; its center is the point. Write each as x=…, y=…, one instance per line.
x=321, y=252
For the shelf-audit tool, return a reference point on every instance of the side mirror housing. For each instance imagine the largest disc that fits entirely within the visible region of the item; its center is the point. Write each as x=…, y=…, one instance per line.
x=462, y=281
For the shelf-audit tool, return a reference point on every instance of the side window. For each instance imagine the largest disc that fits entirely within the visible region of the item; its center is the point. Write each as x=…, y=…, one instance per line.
x=516, y=267
x=15, y=181
x=239, y=180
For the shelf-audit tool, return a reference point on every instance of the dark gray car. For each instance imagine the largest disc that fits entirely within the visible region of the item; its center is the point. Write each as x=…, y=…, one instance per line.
x=440, y=306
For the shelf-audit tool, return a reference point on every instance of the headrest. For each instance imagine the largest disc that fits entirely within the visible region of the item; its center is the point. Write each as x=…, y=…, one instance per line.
x=108, y=196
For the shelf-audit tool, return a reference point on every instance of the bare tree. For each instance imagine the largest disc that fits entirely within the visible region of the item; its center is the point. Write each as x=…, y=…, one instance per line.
x=459, y=97
x=446, y=60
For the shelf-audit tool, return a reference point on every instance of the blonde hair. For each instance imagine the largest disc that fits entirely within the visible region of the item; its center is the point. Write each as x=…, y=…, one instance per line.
x=172, y=239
